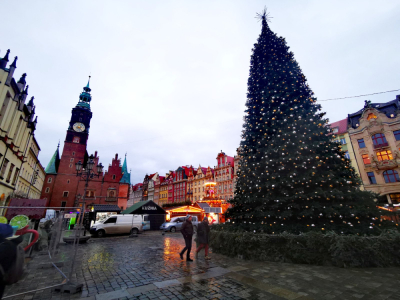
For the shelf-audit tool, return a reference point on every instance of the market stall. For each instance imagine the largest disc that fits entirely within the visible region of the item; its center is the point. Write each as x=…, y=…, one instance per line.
x=151, y=212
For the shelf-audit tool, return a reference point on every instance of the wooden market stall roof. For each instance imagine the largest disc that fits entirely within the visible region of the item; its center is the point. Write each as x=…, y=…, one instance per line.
x=185, y=209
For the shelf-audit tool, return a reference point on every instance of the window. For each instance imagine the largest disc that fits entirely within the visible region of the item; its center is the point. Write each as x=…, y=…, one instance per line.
x=379, y=139
x=49, y=180
x=371, y=116
x=361, y=143
x=397, y=135
x=15, y=176
x=70, y=165
x=395, y=198
x=71, y=160
x=90, y=194
x=3, y=169
x=384, y=155
x=63, y=204
x=10, y=172
x=347, y=155
x=111, y=220
x=371, y=177
x=47, y=190
x=343, y=141
x=68, y=181
x=113, y=177
x=76, y=139
x=365, y=159
x=65, y=194
x=73, y=153
x=391, y=176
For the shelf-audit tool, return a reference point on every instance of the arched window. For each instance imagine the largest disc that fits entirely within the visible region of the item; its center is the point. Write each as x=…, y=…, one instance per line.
x=391, y=176
x=379, y=139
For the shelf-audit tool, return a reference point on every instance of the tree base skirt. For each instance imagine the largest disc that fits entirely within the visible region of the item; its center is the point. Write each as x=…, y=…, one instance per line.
x=328, y=249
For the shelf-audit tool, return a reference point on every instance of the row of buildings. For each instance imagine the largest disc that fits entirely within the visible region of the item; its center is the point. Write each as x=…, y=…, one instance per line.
x=21, y=174
x=187, y=183
x=369, y=137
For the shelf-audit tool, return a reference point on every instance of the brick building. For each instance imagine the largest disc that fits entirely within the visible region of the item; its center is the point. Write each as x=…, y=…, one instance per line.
x=223, y=173
x=63, y=188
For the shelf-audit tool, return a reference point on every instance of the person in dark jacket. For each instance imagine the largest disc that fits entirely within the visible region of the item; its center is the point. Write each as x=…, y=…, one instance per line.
x=187, y=232
x=203, y=234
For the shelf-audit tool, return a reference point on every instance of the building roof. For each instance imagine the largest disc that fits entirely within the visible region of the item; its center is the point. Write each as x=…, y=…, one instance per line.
x=106, y=208
x=341, y=125
x=388, y=108
x=126, y=176
x=202, y=204
x=137, y=208
x=52, y=167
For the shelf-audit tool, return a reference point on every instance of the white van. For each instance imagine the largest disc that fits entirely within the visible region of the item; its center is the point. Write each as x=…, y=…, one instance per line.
x=117, y=224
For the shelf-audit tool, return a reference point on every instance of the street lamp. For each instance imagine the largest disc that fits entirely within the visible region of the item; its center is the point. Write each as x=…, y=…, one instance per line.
x=87, y=174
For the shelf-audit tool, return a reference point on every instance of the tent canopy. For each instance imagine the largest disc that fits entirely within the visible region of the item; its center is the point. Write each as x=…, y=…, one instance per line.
x=145, y=208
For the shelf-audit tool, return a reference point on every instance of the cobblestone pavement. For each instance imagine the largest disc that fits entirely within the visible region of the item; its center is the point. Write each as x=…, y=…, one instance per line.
x=149, y=267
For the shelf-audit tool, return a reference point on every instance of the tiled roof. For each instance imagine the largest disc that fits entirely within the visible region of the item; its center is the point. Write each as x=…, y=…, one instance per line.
x=342, y=126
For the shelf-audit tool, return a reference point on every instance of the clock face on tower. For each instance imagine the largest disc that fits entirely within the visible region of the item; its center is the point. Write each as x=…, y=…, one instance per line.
x=78, y=127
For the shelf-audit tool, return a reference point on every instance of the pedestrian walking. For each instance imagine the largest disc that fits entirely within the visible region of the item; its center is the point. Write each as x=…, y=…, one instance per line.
x=203, y=234
x=187, y=232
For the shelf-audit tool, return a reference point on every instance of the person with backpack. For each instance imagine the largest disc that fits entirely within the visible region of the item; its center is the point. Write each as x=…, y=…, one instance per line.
x=203, y=234
x=187, y=232
x=11, y=258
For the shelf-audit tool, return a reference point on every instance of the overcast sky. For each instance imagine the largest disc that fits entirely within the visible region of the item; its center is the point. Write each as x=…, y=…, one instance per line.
x=169, y=78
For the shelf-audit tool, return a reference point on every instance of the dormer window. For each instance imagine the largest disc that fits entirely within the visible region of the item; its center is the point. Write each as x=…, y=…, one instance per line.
x=371, y=116
x=335, y=130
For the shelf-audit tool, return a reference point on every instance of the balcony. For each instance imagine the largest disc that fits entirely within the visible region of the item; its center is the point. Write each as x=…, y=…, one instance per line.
x=111, y=199
x=386, y=164
x=382, y=145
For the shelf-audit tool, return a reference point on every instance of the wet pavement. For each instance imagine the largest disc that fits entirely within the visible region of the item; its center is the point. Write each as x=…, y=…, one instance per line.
x=149, y=267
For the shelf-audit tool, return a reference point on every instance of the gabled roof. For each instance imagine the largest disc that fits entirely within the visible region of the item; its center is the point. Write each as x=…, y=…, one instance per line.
x=137, y=208
x=52, y=167
x=341, y=125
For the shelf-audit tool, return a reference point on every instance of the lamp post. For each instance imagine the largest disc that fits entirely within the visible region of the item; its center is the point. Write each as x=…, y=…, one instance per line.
x=87, y=174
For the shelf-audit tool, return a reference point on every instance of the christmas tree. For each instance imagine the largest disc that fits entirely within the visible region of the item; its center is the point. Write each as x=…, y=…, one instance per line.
x=292, y=176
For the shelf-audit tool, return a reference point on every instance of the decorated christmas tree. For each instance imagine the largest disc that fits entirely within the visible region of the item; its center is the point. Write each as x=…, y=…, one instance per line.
x=293, y=177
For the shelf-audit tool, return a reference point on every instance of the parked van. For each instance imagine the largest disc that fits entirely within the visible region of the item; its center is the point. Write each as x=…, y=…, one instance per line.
x=117, y=224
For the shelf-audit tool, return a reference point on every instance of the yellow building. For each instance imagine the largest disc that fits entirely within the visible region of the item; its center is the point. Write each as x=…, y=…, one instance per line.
x=198, y=184
x=17, y=125
x=31, y=176
x=339, y=129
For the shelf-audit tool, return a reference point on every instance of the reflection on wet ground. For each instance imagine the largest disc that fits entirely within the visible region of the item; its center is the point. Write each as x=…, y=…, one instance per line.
x=149, y=267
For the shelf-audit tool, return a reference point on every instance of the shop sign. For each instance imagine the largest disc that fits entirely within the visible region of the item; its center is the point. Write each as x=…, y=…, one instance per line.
x=69, y=216
x=149, y=208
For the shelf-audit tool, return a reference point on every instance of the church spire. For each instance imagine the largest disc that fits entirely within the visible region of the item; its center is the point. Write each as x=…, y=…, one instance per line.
x=126, y=176
x=85, y=97
x=52, y=167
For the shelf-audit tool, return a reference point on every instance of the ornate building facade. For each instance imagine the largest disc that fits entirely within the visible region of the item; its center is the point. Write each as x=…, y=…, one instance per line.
x=375, y=134
x=223, y=173
x=17, y=127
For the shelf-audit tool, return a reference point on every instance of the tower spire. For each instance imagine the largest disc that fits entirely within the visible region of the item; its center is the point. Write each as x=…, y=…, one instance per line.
x=85, y=97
